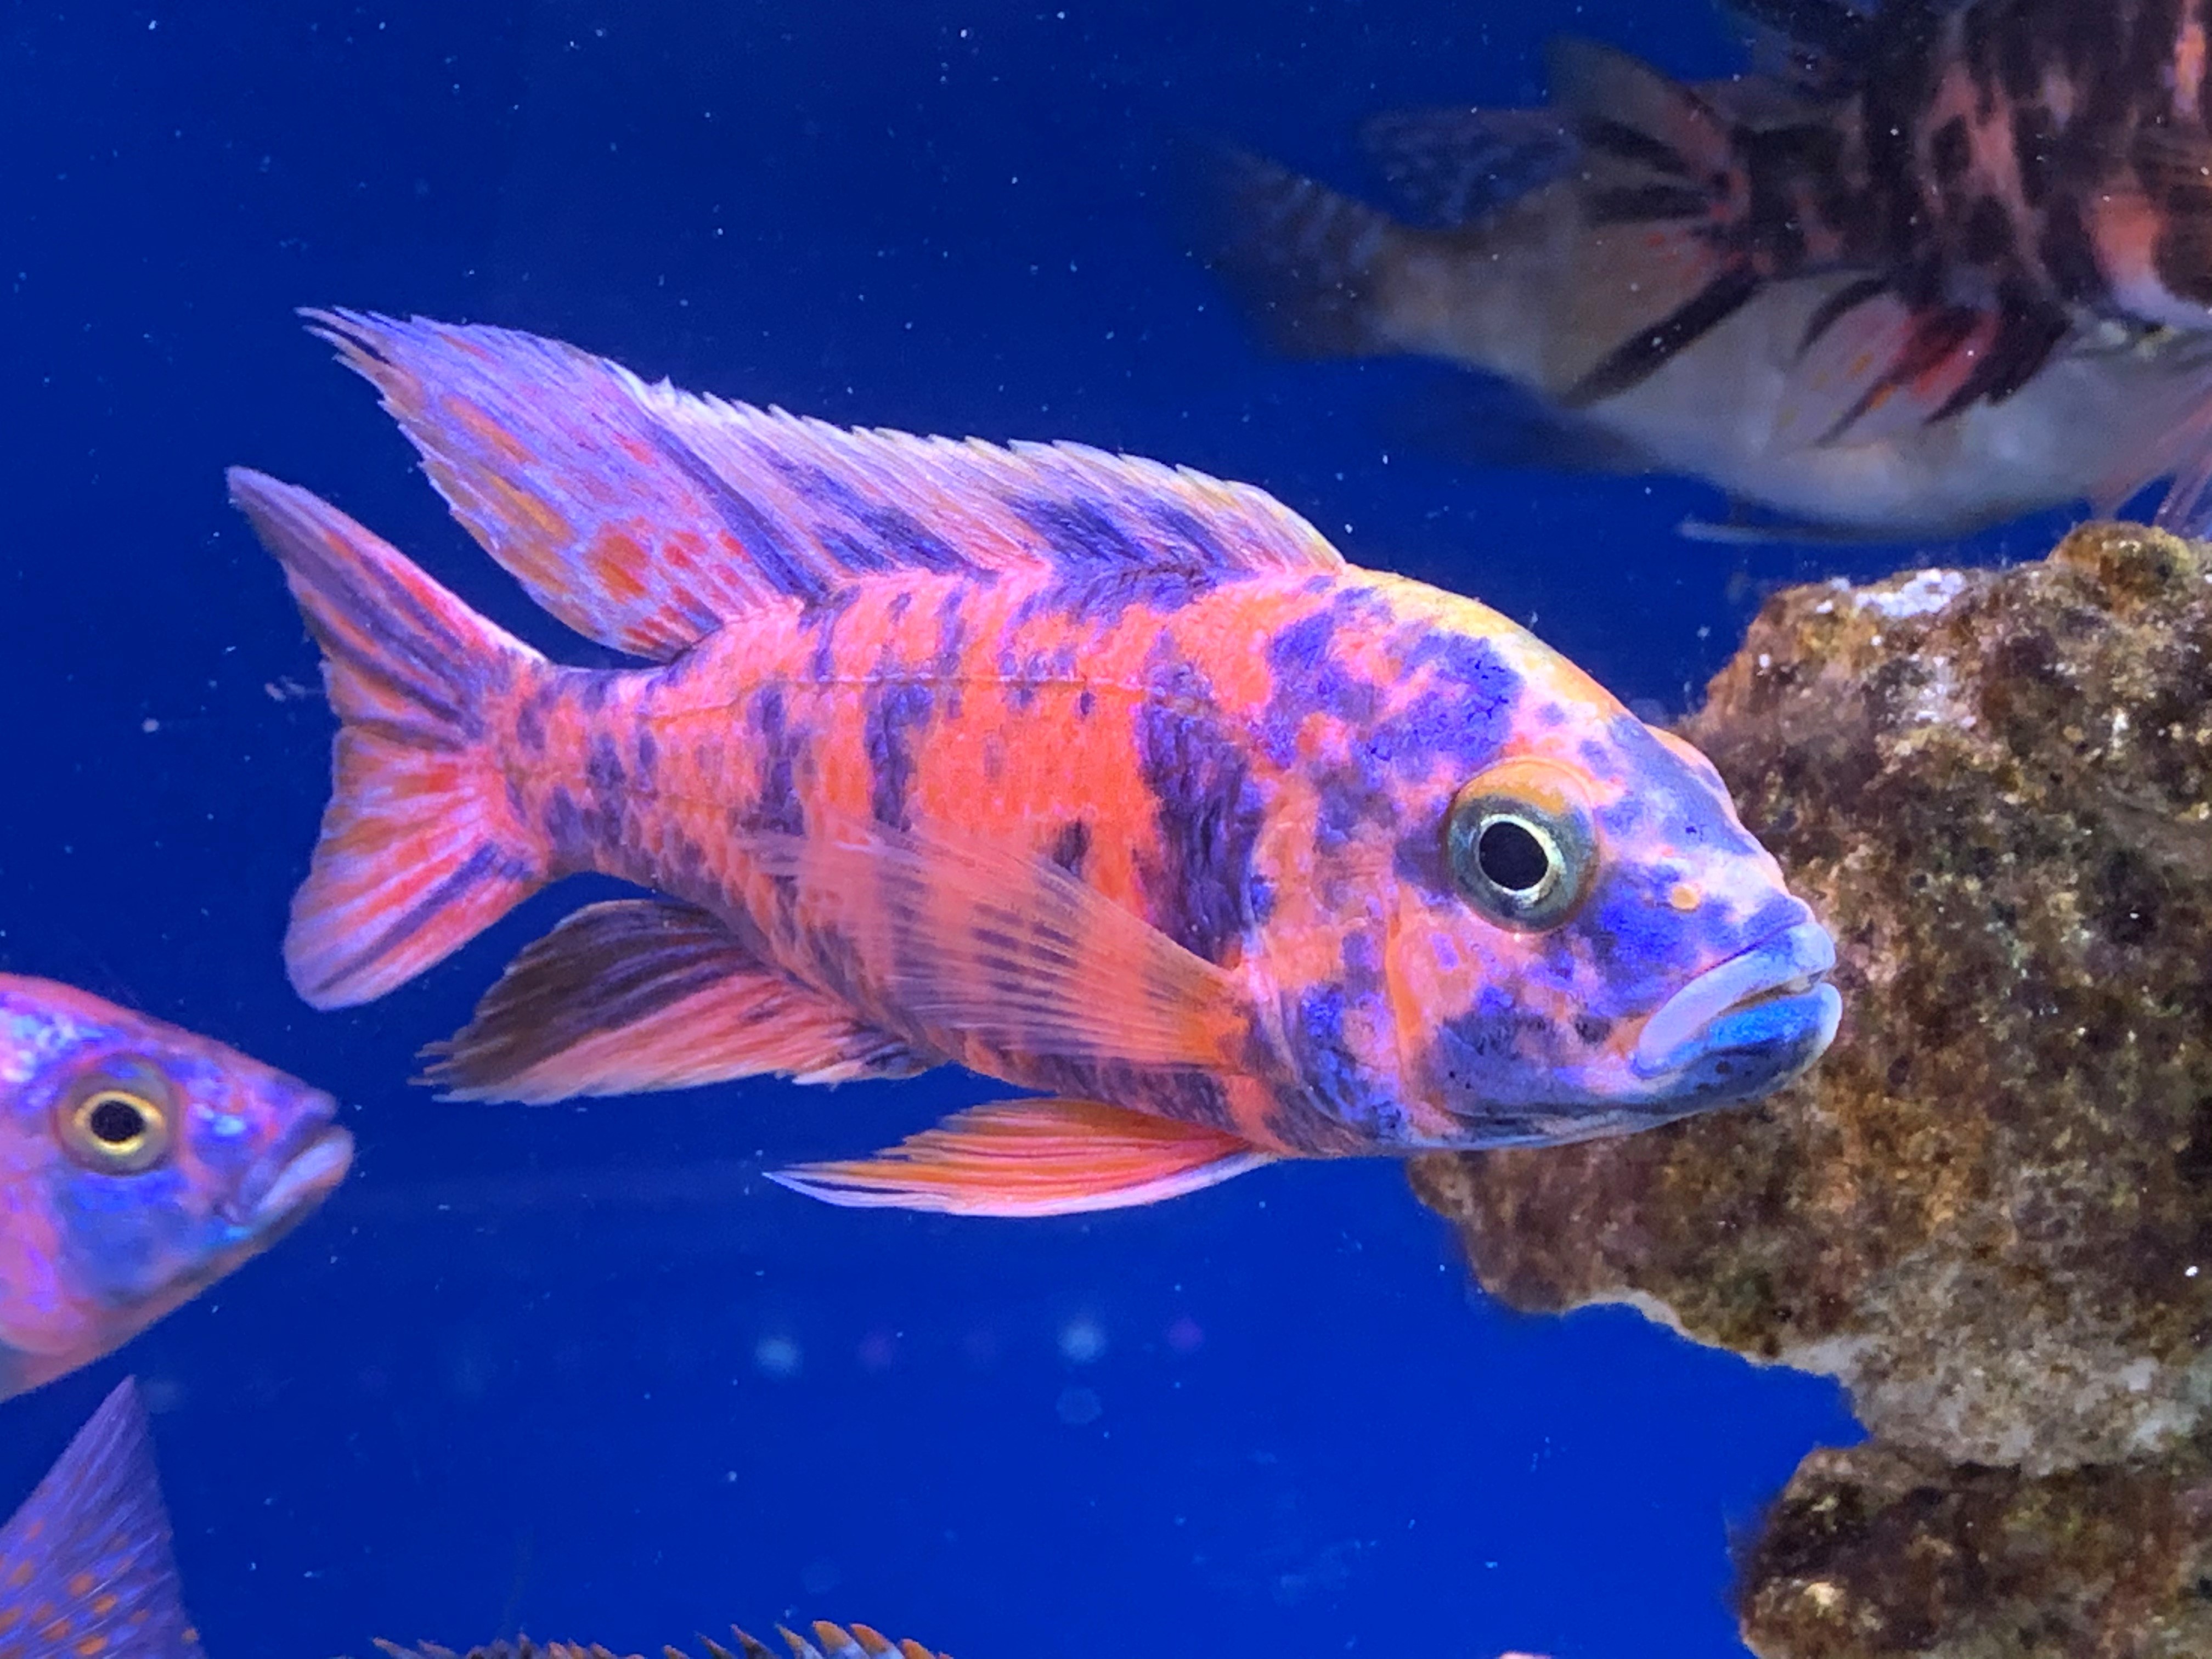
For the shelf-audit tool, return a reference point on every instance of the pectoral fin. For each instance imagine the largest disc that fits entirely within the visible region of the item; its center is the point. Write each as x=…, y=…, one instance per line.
x=986, y=941
x=1030, y=1158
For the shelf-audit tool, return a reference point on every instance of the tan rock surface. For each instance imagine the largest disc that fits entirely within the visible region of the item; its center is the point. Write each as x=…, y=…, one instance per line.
x=1988, y=1210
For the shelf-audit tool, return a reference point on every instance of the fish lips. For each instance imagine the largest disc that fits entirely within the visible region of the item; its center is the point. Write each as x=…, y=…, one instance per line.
x=299, y=1181
x=1746, y=1025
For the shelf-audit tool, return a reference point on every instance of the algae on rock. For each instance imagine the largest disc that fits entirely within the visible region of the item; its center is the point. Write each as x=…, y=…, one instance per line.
x=1989, y=1208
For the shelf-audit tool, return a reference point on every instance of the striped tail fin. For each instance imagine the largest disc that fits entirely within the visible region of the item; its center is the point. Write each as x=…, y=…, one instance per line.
x=420, y=850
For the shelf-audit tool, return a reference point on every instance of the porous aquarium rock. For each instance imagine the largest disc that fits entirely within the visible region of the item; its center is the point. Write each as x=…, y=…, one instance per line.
x=1989, y=1209
x=1876, y=1553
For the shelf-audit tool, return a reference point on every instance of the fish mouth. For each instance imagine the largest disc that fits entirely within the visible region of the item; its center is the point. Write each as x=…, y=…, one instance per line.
x=1748, y=1023
x=302, y=1182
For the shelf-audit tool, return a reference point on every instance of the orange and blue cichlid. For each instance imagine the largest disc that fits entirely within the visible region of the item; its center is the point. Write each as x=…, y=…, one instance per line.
x=1096, y=777
x=138, y=1164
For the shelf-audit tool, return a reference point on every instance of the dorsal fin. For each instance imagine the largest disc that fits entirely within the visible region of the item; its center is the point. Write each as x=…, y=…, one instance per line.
x=85, y=1565
x=645, y=517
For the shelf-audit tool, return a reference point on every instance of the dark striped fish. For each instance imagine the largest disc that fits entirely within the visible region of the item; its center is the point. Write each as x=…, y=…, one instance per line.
x=1938, y=263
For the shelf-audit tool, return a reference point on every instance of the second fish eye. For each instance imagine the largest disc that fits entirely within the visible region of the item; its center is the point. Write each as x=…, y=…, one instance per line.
x=1520, y=846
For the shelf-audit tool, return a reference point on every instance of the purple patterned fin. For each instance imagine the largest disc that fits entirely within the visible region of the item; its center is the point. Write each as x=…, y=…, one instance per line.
x=85, y=1565
x=635, y=995
x=645, y=517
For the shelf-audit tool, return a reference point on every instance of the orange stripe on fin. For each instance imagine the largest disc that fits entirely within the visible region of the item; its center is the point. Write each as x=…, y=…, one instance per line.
x=645, y=517
x=649, y=993
x=419, y=851
x=1033, y=1157
x=989, y=942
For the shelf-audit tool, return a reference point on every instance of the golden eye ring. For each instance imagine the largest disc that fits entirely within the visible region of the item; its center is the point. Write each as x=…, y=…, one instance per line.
x=1522, y=844
x=116, y=1127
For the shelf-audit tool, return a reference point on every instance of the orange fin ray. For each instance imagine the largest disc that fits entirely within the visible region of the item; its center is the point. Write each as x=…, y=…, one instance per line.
x=645, y=517
x=1033, y=1157
x=998, y=944
x=419, y=851
x=1876, y=366
x=636, y=994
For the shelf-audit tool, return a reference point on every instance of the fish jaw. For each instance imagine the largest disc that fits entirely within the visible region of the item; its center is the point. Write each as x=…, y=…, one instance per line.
x=1745, y=1026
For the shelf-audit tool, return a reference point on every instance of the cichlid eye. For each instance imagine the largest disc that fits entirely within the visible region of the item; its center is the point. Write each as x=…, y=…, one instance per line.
x=118, y=1125
x=1520, y=845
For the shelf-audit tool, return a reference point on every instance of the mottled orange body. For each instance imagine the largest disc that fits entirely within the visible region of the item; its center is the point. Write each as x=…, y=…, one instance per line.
x=1090, y=775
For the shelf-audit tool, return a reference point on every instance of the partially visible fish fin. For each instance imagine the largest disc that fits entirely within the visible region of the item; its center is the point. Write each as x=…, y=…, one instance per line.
x=1033, y=1157
x=1874, y=365
x=999, y=945
x=85, y=1565
x=645, y=517
x=1305, y=261
x=1815, y=45
x=636, y=994
x=1448, y=167
x=419, y=851
x=1663, y=191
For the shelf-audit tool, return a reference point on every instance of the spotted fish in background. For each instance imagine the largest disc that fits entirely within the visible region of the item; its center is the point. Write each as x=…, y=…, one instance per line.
x=138, y=1164
x=1942, y=262
x=85, y=1567
x=1092, y=775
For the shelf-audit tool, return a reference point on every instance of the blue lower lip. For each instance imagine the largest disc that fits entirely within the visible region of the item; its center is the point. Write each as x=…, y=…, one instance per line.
x=1753, y=1050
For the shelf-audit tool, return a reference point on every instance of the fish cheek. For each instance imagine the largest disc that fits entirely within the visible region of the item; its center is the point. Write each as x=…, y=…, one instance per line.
x=126, y=1239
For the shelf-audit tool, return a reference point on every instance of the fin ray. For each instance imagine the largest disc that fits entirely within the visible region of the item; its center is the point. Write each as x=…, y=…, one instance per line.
x=1033, y=1157
x=644, y=517
x=637, y=994
x=418, y=852
x=98, y=1518
x=1007, y=949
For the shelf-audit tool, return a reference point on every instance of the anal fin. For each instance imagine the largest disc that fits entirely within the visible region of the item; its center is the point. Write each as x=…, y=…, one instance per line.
x=1033, y=1157
x=649, y=993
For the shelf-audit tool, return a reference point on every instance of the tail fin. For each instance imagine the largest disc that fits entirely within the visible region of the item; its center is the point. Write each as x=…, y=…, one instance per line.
x=419, y=851
x=1306, y=263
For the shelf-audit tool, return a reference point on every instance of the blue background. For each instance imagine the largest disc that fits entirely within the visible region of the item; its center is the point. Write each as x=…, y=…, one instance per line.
x=535, y=1367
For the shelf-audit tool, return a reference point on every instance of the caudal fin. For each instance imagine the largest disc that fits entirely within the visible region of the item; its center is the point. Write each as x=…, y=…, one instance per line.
x=419, y=850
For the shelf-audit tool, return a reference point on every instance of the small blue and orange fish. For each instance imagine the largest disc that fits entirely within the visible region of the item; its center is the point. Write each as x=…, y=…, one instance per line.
x=138, y=1164
x=86, y=1571
x=1093, y=775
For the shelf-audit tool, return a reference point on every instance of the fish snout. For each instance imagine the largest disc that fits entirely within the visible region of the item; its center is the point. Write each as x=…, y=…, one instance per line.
x=1747, y=1024
x=299, y=1172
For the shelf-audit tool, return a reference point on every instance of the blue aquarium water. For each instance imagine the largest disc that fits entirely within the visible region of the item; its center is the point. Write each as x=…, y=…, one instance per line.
x=582, y=1370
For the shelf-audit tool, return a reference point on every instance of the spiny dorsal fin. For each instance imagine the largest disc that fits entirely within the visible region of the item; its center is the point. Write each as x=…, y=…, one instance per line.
x=645, y=517
x=85, y=1563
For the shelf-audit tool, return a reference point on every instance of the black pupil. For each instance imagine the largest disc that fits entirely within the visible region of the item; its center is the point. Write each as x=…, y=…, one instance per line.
x=115, y=1122
x=1511, y=857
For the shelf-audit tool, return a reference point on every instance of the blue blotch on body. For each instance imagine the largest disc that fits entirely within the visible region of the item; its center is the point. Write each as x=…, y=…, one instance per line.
x=1340, y=1105
x=1460, y=713
x=778, y=809
x=894, y=714
x=1207, y=813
